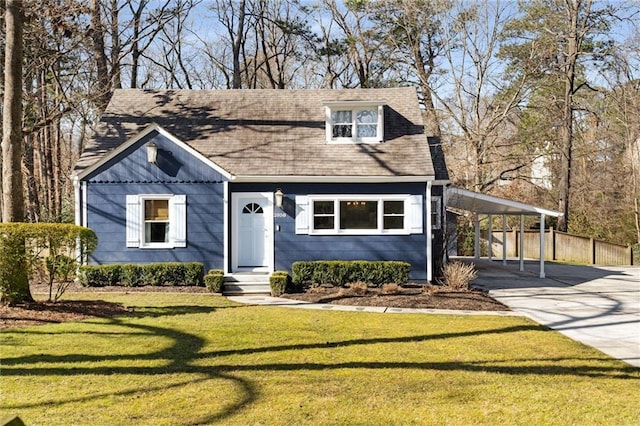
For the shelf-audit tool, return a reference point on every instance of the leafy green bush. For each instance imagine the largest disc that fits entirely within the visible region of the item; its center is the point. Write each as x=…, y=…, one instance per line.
x=214, y=280
x=136, y=275
x=25, y=248
x=341, y=272
x=279, y=282
x=99, y=276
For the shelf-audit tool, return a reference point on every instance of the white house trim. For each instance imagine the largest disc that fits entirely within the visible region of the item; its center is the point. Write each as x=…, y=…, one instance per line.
x=329, y=179
x=429, y=232
x=225, y=224
x=154, y=127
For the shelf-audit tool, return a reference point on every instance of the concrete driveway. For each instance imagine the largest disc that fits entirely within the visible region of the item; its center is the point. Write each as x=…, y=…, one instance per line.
x=598, y=306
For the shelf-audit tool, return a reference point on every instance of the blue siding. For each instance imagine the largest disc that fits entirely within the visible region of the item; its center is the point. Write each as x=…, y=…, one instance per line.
x=174, y=164
x=291, y=247
x=176, y=172
x=106, y=216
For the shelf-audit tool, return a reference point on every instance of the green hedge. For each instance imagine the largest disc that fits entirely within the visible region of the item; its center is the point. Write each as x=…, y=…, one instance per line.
x=341, y=272
x=49, y=247
x=214, y=280
x=136, y=275
x=279, y=282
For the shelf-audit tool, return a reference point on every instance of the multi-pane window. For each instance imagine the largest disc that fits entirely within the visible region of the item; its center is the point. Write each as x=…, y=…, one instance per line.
x=367, y=123
x=324, y=215
x=342, y=124
x=359, y=215
x=156, y=221
x=393, y=215
x=347, y=124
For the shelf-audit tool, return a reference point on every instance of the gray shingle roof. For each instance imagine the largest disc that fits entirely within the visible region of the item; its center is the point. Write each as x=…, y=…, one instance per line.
x=269, y=132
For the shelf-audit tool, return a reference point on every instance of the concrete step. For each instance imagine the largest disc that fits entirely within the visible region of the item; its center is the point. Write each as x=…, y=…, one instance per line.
x=246, y=283
x=247, y=277
x=245, y=288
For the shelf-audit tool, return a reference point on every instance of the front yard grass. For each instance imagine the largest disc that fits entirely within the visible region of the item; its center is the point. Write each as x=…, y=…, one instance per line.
x=199, y=359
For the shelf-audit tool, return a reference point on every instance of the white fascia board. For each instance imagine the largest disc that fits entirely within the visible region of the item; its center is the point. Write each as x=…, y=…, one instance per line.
x=330, y=179
x=137, y=137
x=493, y=205
x=352, y=103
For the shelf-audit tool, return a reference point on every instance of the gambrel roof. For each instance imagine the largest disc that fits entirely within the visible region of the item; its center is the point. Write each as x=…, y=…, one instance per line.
x=270, y=132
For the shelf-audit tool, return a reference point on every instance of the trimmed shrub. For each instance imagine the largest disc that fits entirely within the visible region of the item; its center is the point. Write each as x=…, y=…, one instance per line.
x=136, y=275
x=279, y=282
x=99, y=276
x=341, y=272
x=214, y=280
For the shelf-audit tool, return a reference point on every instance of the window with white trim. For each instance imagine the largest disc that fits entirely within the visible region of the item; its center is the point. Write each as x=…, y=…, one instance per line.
x=156, y=221
x=355, y=123
x=359, y=214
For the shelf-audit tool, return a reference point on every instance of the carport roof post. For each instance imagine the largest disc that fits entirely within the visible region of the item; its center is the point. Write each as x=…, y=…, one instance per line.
x=478, y=203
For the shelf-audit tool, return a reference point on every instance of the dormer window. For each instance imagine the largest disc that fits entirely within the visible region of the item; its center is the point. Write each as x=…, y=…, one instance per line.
x=354, y=122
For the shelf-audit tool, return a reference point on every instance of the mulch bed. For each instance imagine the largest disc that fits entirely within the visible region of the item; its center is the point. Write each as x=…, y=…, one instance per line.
x=428, y=297
x=413, y=296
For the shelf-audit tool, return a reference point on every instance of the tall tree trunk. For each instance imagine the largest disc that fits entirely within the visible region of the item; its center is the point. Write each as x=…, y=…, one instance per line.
x=566, y=143
x=237, y=45
x=12, y=191
x=15, y=285
x=103, y=91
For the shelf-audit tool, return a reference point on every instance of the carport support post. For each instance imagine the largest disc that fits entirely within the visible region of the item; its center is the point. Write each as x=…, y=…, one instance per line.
x=542, y=244
x=521, y=242
x=490, y=229
x=476, y=240
x=504, y=239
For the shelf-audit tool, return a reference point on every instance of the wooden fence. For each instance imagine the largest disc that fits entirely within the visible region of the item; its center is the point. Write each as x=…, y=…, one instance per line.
x=561, y=246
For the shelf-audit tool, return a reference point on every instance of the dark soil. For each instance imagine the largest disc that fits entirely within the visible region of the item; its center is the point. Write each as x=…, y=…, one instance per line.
x=433, y=297
x=430, y=297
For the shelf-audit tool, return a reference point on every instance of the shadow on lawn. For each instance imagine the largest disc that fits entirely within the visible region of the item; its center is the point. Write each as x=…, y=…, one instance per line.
x=185, y=352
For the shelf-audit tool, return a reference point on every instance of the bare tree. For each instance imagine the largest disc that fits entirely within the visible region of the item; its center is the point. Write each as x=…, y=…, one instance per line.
x=12, y=189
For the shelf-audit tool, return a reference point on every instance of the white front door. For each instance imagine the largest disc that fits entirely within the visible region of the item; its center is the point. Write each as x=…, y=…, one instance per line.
x=253, y=231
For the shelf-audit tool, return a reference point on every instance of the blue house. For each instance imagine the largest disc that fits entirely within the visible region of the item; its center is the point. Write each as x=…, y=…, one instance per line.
x=250, y=181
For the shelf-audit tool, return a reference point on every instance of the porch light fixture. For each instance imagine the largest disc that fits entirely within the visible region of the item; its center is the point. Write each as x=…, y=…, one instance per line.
x=278, y=197
x=152, y=152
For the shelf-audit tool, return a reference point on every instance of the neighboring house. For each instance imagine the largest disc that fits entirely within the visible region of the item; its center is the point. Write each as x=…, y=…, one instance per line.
x=254, y=180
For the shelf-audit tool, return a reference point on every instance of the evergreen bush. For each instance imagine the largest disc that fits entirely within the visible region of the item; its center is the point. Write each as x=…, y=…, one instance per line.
x=342, y=272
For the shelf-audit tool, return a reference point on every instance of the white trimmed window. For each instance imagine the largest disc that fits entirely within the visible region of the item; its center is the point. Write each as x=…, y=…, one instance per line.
x=156, y=221
x=354, y=122
x=359, y=214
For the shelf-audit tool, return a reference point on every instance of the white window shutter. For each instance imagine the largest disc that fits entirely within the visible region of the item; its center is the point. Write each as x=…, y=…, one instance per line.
x=178, y=218
x=302, y=214
x=133, y=221
x=415, y=214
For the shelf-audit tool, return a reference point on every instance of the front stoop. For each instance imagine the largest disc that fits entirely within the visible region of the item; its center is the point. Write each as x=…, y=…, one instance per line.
x=246, y=283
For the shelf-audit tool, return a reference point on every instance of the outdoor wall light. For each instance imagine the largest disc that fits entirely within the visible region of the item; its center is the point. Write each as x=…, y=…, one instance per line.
x=152, y=152
x=278, y=197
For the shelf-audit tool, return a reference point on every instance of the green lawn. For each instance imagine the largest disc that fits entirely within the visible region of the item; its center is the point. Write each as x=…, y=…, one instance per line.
x=198, y=359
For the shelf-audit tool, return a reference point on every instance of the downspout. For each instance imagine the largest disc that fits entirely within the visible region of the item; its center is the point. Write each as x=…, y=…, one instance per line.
x=225, y=224
x=429, y=233
x=76, y=201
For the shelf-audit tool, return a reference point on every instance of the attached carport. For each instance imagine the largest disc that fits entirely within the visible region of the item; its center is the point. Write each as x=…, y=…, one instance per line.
x=483, y=204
